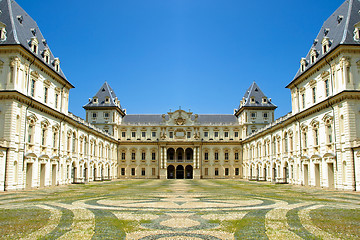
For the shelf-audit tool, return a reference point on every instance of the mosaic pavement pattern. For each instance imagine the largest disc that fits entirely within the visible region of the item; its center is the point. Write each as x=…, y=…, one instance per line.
x=180, y=209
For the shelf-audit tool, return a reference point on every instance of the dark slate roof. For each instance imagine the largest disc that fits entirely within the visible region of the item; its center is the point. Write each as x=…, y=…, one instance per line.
x=20, y=28
x=339, y=28
x=156, y=119
x=142, y=119
x=104, y=91
x=255, y=91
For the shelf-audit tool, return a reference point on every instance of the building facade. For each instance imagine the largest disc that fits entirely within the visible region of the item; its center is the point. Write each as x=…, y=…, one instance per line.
x=43, y=144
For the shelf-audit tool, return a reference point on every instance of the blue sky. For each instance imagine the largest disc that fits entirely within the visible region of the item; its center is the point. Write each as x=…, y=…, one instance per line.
x=198, y=54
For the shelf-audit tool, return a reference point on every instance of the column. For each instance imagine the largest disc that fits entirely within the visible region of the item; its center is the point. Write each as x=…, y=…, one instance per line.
x=165, y=157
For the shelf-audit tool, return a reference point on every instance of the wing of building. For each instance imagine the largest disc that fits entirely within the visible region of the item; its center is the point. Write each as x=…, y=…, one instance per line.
x=316, y=144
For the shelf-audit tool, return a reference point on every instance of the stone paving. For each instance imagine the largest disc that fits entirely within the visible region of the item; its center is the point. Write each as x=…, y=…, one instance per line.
x=179, y=209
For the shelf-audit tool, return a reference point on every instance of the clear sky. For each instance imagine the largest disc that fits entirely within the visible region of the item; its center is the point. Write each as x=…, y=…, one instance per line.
x=198, y=54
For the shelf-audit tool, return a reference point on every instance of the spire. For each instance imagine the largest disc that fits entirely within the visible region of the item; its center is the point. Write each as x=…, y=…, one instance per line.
x=21, y=29
x=104, y=98
x=338, y=29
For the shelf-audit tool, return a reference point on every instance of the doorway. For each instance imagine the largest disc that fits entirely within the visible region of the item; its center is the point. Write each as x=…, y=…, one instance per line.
x=189, y=172
x=53, y=173
x=171, y=172
x=42, y=175
x=180, y=172
x=29, y=170
x=331, y=175
x=317, y=175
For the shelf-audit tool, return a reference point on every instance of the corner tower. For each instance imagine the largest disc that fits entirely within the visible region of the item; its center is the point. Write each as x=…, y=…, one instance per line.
x=104, y=110
x=255, y=110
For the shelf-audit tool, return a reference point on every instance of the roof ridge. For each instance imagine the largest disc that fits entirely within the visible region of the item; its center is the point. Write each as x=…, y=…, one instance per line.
x=347, y=22
x=12, y=21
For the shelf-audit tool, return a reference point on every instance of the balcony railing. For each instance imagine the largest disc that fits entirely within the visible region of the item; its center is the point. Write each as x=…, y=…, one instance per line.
x=180, y=160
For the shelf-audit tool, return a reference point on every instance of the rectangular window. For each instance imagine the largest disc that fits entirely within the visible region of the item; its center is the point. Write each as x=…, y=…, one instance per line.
x=123, y=156
x=94, y=115
x=206, y=134
x=171, y=134
x=54, y=139
x=30, y=133
x=327, y=90
x=226, y=156
x=153, y=134
x=45, y=94
x=237, y=171
x=133, y=134
x=133, y=156
x=329, y=132
x=314, y=94
x=253, y=115
x=32, y=89
x=188, y=134
x=265, y=115
x=106, y=115
x=143, y=134
x=226, y=171
x=206, y=171
x=153, y=156
x=142, y=156
x=303, y=100
x=216, y=156
x=56, y=100
x=236, y=134
x=153, y=171
x=216, y=172
x=143, y=172
x=305, y=139
x=123, y=134
x=316, y=137
x=206, y=156
x=216, y=134
x=226, y=134
x=236, y=156
x=133, y=171
x=122, y=171
x=43, y=137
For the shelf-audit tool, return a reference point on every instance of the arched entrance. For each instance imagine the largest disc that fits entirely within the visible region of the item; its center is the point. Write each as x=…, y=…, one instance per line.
x=171, y=172
x=179, y=172
x=189, y=154
x=180, y=155
x=73, y=173
x=189, y=172
x=170, y=154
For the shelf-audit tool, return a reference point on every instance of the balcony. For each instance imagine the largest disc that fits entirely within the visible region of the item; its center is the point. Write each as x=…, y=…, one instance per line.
x=180, y=160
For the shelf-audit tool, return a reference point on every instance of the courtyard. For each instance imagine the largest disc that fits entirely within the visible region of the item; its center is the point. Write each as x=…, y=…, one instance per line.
x=179, y=209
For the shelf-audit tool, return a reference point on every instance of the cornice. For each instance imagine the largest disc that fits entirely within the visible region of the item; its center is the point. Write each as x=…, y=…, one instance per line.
x=15, y=95
x=327, y=103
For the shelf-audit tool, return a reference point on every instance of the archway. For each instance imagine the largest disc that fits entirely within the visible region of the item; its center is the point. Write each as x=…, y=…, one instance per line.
x=73, y=173
x=171, y=172
x=189, y=155
x=180, y=155
x=179, y=172
x=189, y=172
x=170, y=154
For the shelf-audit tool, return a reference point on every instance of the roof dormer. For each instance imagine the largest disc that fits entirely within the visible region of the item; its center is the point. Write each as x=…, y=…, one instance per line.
x=313, y=55
x=2, y=31
x=325, y=45
x=46, y=55
x=357, y=32
x=303, y=64
x=56, y=64
x=34, y=45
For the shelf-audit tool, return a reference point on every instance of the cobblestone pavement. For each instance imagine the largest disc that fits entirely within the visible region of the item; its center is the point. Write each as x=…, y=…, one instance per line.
x=179, y=209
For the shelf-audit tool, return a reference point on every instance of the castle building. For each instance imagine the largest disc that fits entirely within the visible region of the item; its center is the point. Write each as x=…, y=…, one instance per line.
x=43, y=144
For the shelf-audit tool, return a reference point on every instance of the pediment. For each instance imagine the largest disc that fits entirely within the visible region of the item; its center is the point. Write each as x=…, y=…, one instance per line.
x=180, y=118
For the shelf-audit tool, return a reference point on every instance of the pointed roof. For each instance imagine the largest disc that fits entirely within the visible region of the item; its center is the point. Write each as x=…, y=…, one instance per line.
x=254, y=97
x=338, y=29
x=104, y=92
x=21, y=28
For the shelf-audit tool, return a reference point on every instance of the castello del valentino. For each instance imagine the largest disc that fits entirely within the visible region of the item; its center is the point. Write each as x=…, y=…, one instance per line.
x=317, y=144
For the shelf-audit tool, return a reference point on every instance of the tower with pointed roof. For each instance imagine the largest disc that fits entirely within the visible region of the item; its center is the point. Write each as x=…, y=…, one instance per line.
x=255, y=110
x=104, y=110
